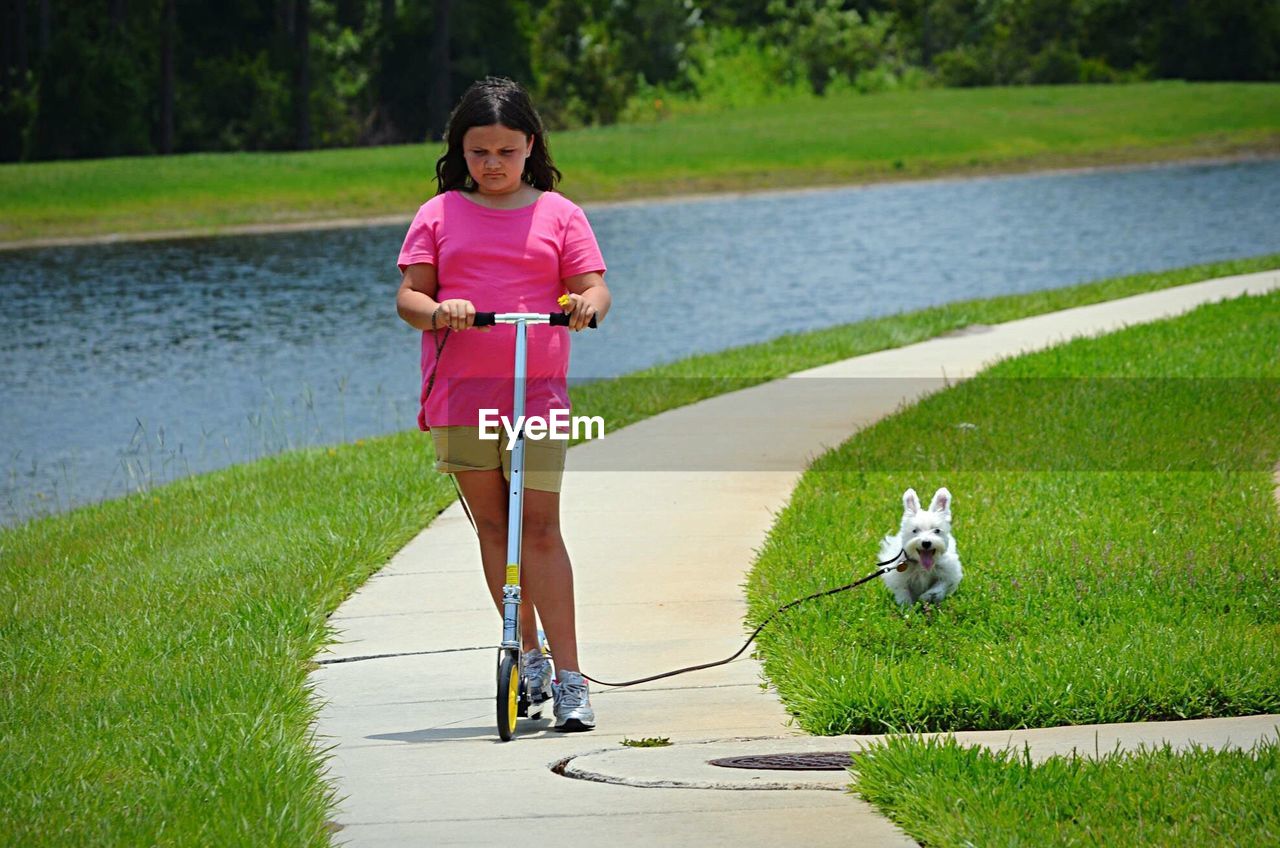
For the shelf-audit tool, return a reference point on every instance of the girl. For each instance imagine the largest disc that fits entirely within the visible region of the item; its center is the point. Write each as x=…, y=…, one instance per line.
x=498, y=238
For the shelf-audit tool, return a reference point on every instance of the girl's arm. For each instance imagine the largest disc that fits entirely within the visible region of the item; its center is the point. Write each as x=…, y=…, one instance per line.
x=588, y=297
x=416, y=302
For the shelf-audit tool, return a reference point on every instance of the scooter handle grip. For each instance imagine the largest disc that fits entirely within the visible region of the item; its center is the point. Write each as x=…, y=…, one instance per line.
x=486, y=319
x=562, y=320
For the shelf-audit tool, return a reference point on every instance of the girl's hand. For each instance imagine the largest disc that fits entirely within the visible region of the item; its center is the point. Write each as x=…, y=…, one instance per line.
x=456, y=314
x=580, y=311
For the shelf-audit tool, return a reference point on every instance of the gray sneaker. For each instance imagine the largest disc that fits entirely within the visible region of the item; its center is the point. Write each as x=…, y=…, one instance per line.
x=573, y=704
x=537, y=681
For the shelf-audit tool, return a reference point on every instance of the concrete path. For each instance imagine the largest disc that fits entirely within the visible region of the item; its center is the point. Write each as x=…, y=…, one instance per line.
x=662, y=520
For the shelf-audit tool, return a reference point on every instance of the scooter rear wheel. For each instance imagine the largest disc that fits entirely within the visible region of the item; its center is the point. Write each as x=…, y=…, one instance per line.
x=508, y=693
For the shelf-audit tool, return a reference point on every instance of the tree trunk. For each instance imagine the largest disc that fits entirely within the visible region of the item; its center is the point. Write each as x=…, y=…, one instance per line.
x=926, y=35
x=24, y=60
x=302, y=74
x=15, y=44
x=441, y=69
x=46, y=25
x=168, y=34
x=378, y=127
x=7, y=46
x=286, y=10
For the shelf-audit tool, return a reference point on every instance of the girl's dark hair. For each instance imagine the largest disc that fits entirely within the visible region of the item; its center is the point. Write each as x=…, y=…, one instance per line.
x=495, y=100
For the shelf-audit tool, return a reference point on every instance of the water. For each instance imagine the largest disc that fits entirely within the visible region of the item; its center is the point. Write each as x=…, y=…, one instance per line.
x=128, y=365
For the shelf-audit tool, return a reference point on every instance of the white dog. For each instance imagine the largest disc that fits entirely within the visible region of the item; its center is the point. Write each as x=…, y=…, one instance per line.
x=932, y=564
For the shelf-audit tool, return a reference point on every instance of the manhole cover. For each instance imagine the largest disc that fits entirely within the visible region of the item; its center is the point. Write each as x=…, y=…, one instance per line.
x=837, y=761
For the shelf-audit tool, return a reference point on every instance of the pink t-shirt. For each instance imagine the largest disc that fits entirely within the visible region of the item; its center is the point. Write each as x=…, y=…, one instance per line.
x=502, y=260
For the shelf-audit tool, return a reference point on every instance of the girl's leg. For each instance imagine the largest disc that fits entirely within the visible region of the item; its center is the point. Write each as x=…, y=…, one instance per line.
x=549, y=575
x=486, y=496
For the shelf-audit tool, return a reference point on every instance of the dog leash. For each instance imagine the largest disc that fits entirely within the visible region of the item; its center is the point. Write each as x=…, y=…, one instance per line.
x=887, y=565
x=882, y=568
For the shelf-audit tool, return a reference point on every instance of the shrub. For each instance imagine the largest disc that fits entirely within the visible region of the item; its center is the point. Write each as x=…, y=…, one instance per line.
x=728, y=67
x=588, y=58
x=964, y=67
x=725, y=68
x=828, y=41
x=1057, y=64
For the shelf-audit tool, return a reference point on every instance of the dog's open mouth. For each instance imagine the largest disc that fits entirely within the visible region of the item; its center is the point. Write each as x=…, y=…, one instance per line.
x=926, y=559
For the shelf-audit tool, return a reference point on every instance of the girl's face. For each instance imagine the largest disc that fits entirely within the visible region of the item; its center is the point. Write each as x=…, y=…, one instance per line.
x=495, y=157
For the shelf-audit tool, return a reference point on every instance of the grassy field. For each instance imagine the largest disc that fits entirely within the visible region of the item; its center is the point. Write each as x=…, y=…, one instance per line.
x=1114, y=510
x=844, y=138
x=1114, y=506
x=946, y=795
x=154, y=649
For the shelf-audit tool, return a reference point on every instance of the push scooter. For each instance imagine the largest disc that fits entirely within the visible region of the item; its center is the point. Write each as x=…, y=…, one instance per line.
x=512, y=700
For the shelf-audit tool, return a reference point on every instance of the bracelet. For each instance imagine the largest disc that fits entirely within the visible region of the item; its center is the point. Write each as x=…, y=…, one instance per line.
x=433, y=318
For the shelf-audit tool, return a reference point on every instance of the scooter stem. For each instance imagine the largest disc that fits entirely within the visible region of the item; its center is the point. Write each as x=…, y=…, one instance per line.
x=515, y=507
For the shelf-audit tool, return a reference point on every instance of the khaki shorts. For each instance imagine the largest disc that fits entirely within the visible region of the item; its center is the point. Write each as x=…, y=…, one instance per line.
x=462, y=449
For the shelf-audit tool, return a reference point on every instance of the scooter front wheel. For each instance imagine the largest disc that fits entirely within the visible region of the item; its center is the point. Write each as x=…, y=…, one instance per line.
x=508, y=693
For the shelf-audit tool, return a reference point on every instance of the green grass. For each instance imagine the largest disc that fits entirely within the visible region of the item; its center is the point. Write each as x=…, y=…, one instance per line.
x=943, y=794
x=839, y=139
x=153, y=649
x=1115, y=517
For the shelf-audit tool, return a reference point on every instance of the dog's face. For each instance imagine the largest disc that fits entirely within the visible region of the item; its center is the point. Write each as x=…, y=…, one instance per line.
x=926, y=533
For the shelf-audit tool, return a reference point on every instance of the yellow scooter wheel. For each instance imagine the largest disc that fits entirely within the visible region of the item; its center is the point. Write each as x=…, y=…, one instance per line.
x=508, y=693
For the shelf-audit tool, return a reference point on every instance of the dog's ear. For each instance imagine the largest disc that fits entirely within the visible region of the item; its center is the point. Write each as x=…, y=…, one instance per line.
x=941, y=503
x=910, y=503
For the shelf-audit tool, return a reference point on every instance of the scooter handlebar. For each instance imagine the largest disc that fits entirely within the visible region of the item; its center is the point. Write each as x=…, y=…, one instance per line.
x=561, y=319
x=556, y=319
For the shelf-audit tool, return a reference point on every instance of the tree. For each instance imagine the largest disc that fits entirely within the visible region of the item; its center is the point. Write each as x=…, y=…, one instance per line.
x=94, y=92
x=439, y=102
x=827, y=40
x=1217, y=39
x=169, y=33
x=302, y=74
x=120, y=77
x=588, y=57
